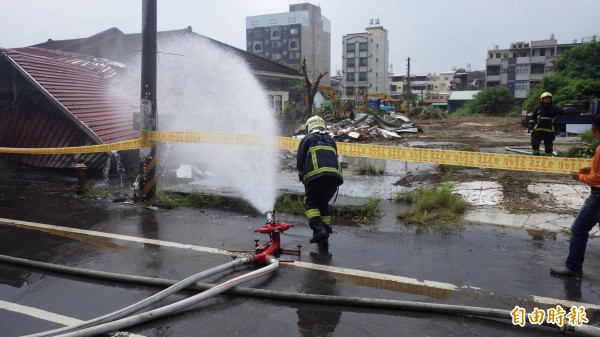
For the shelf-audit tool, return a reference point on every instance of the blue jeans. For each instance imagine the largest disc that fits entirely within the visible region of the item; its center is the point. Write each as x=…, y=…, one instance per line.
x=587, y=218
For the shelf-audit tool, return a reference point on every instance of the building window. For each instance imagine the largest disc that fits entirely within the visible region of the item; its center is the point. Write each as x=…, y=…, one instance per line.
x=275, y=34
x=351, y=62
x=258, y=47
x=350, y=77
x=493, y=71
x=275, y=102
x=521, y=85
x=363, y=46
x=257, y=33
x=350, y=48
x=293, y=45
x=294, y=31
x=522, y=69
x=363, y=62
x=276, y=56
x=362, y=76
x=294, y=55
x=350, y=91
x=542, y=52
x=275, y=44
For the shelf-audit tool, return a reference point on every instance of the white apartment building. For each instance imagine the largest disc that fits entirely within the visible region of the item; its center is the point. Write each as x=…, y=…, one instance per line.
x=287, y=37
x=523, y=64
x=365, y=62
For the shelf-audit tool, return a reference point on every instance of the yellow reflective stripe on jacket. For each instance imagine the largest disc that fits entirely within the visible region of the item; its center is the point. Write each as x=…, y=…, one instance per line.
x=324, y=169
x=326, y=219
x=552, y=120
x=313, y=212
x=316, y=169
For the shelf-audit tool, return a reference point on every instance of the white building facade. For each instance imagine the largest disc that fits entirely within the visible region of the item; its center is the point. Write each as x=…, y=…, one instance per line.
x=365, y=62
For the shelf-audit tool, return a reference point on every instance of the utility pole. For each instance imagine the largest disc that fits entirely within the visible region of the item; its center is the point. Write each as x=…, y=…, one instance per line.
x=146, y=182
x=408, y=87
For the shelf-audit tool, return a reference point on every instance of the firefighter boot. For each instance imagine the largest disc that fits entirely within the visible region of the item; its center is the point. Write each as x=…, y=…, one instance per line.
x=319, y=232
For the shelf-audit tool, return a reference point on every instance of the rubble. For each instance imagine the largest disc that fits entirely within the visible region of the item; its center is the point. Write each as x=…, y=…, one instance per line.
x=368, y=127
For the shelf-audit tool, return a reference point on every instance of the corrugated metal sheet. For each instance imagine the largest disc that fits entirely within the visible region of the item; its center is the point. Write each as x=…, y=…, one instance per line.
x=70, y=101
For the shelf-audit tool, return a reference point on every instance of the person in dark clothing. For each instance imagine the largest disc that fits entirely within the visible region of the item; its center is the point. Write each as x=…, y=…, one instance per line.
x=321, y=173
x=588, y=216
x=542, y=124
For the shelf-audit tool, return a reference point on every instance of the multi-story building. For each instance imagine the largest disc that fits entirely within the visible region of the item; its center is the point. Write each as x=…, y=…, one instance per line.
x=424, y=85
x=523, y=64
x=287, y=37
x=365, y=62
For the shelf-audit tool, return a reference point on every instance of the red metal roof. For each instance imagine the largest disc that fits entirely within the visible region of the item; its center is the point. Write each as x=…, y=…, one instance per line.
x=61, y=100
x=85, y=87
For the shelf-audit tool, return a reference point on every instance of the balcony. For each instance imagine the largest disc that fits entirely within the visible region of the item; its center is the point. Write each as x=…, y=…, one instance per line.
x=493, y=62
x=538, y=59
x=523, y=60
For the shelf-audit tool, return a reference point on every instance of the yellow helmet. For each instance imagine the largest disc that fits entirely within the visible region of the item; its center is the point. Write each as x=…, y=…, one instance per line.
x=314, y=122
x=545, y=94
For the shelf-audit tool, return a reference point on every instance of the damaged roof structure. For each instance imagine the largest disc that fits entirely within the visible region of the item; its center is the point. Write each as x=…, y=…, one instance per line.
x=61, y=94
x=57, y=99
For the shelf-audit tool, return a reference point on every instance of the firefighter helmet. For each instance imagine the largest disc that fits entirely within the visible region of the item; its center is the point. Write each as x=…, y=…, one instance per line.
x=314, y=122
x=545, y=94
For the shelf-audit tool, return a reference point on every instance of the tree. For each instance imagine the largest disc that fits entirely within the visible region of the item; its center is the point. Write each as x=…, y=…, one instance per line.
x=576, y=79
x=491, y=101
x=311, y=88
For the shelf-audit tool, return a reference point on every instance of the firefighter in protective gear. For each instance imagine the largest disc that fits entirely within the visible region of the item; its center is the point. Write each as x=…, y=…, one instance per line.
x=543, y=124
x=321, y=173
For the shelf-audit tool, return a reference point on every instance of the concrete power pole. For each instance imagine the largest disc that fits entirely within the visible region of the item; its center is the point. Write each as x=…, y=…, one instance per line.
x=146, y=183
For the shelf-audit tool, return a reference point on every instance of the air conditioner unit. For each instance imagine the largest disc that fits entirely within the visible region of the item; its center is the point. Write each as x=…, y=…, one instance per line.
x=504, y=70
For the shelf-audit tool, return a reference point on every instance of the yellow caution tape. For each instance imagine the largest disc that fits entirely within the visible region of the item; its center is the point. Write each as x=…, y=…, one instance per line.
x=202, y=137
x=447, y=157
x=119, y=146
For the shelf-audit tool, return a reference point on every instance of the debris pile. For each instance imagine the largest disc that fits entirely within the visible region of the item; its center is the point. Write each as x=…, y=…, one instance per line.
x=368, y=127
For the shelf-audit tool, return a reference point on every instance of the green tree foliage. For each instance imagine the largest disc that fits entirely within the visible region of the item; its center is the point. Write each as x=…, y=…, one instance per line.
x=580, y=62
x=576, y=79
x=491, y=101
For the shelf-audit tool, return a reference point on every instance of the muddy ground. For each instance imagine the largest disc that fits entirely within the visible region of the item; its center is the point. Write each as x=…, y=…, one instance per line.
x=487, y=134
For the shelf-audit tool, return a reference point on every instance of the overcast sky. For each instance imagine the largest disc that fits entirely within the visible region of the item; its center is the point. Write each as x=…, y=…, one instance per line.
x=437, y=35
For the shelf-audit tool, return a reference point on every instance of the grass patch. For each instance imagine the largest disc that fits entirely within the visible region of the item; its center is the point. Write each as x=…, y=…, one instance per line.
x=291, y=204
x=365, y=212
x=435, y=205
x=294, y=204
x=195, y=199
x=583, y=152
x=90, y=192
x=368, y=168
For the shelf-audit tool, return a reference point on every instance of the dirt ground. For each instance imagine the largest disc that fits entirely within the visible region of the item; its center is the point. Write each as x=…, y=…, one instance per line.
x=486, y=134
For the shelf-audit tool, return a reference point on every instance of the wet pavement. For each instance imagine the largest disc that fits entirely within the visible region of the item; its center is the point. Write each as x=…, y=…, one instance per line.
x=478, y=264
